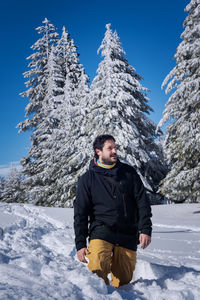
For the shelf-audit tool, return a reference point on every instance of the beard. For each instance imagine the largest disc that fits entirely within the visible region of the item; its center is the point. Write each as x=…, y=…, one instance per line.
x=109, y=161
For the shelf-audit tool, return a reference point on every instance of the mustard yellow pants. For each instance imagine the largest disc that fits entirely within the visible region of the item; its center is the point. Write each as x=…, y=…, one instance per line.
x=105, y=258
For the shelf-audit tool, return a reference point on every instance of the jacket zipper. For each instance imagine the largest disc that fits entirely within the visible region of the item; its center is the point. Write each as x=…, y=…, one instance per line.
x=124, y=202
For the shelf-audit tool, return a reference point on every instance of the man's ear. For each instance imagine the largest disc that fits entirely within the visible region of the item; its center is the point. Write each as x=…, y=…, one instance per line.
x=97, y=151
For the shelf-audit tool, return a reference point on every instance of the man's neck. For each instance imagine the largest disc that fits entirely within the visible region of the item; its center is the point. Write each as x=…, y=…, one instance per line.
x=105, y=166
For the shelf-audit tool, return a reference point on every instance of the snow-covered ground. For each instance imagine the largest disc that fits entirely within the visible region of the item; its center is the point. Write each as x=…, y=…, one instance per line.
x=38, y=258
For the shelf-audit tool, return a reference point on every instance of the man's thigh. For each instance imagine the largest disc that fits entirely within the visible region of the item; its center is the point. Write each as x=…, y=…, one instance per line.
x=100, y=258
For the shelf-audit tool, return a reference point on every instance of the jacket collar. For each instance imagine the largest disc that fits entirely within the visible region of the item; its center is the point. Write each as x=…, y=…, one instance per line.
x=105, y=172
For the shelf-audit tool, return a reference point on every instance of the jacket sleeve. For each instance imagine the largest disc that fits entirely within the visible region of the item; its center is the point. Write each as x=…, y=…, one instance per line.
x=82, y=206
x=144, y=207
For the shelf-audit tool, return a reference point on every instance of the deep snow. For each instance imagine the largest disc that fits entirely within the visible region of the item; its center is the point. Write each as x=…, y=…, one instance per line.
x=38, y=257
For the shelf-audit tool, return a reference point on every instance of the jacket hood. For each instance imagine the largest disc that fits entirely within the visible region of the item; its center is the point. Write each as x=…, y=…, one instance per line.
x=113, y=172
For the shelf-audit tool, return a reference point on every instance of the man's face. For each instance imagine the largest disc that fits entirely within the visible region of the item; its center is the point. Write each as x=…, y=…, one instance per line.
x=108, y=155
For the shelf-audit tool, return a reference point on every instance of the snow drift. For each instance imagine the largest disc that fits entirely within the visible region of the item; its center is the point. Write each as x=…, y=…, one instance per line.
x=38, y=257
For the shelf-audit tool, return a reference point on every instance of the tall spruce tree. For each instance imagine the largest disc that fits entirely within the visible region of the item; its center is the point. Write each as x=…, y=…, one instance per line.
x=71, y=153
x=120, y=107
x=182, y=140
x=38, y=109
x=42, y=180
x=65, y=158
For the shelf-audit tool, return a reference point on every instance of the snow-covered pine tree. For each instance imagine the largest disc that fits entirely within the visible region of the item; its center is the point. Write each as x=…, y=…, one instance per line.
x=42, y=181
x=67, y=156
x=13, y=190
x=120, y=107
x=72, y=155
x=182, y=140
x=2, y=184
x=38, y=117
x=37, y=75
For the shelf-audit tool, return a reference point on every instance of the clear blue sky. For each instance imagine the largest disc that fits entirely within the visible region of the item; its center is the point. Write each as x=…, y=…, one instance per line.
x=149, y=32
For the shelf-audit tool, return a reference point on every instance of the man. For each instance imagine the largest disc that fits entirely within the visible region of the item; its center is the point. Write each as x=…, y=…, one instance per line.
x=112, y=199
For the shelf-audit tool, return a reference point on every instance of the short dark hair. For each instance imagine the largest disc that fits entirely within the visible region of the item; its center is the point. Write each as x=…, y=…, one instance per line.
x=99, y=142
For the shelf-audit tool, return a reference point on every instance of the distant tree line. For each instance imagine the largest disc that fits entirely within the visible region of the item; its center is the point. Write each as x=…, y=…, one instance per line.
x=65, y=114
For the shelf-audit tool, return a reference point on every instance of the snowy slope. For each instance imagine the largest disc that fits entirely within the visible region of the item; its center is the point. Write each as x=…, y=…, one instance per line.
x=38, y=258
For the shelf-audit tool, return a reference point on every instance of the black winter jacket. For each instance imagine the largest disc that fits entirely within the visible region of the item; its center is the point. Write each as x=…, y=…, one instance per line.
x=114, y=204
